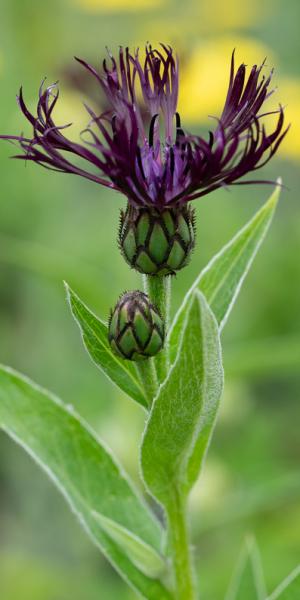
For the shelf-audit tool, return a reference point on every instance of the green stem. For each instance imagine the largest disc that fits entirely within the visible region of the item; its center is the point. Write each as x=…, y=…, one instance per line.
x=148, y=377
x=180, y=549
x=158, y=289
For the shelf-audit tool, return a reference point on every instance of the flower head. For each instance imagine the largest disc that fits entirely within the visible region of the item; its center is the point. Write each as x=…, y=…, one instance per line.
x=136, y=330
x=143, y=151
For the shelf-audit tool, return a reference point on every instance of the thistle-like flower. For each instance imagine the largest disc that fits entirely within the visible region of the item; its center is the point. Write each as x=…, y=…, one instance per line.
x=143, y=151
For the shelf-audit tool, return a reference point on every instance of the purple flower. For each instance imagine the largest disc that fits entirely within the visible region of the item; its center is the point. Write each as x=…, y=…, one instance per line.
x=142, y=151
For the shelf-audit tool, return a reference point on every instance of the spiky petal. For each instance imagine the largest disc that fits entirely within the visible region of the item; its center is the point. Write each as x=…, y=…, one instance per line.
x=145, y=154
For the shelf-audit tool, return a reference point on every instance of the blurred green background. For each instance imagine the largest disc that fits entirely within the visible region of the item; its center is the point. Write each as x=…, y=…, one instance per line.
x=55, y=227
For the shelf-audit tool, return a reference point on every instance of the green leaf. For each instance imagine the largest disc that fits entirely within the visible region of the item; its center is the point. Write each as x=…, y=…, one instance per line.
x=289, y=589
x=184, y=412
x=82, y=469
x=141, y=554
x=222, y=279
x=94, y=335
x=248, y=581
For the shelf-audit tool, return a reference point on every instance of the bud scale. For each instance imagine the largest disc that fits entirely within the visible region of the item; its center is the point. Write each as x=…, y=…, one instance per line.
x=157, y=242
x=136, y=330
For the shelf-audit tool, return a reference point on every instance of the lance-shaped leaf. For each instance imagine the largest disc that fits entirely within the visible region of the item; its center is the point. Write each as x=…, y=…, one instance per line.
x=95, y=337
x=248, y=580
x=222, y=279
x=184, y=412
x=84, y=471
x=145, y=557
x=289, y=589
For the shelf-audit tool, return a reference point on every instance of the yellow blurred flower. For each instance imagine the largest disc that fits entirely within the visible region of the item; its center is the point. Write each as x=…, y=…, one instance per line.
x=109, y=6
x=205, y=76
x=203, y=17
x=204, y=80
x=230, y=14
x=290, y=98
x=70, y=109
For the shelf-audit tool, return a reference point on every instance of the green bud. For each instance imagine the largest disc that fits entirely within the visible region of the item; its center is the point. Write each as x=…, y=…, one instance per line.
x=136, y=330
x=157, y=243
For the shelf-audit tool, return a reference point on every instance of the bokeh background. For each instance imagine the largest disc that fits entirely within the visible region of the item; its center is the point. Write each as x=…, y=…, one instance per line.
x=55, y=227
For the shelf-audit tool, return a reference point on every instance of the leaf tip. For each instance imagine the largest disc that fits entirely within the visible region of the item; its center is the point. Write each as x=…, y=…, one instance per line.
x=203, y=302
x=273, y=200
x=69, y=293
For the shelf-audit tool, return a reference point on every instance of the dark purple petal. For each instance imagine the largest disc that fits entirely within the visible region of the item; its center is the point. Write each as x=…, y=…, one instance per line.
x=143, y=151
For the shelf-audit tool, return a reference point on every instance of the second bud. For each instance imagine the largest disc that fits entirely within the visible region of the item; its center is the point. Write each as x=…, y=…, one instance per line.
x=136, y=329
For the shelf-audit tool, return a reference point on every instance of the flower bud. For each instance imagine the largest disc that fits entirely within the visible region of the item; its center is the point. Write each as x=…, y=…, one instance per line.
x=157, y=242
x=136, y=330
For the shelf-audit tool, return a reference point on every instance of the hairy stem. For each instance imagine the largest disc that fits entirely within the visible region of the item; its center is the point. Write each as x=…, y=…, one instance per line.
x=148, y=377
x=158, y=289
x=180, y=549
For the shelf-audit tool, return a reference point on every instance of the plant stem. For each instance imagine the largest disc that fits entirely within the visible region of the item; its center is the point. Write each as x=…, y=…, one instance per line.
x=148, y=377
x=180, y=549
x=158, y=289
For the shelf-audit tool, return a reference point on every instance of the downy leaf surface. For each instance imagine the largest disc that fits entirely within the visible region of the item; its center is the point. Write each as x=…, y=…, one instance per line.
x=84, y=471
x=95, y=338
x=221, y=280
x=148, y=560
x=184, y=412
